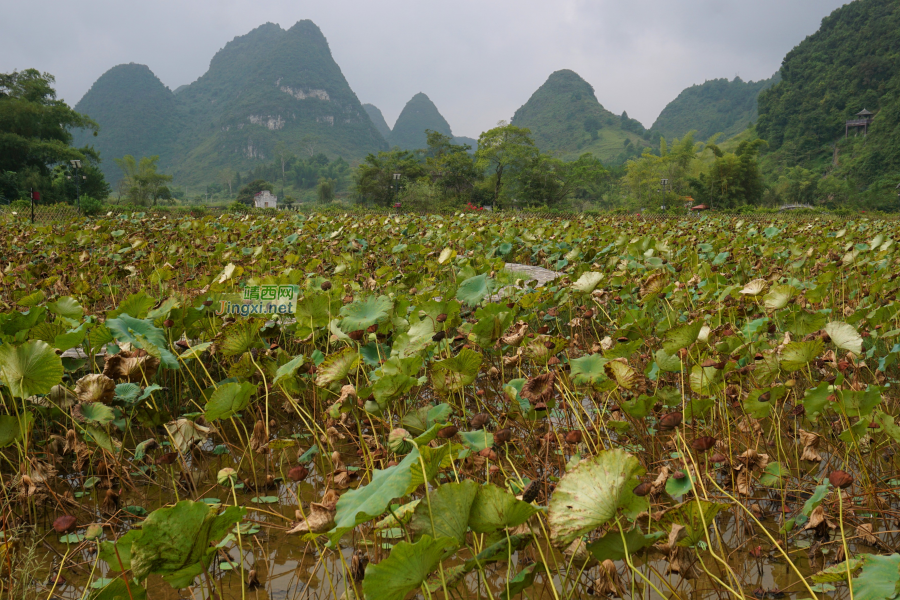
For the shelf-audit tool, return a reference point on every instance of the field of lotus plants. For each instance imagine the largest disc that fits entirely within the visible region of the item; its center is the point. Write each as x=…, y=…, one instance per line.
x=471, y=406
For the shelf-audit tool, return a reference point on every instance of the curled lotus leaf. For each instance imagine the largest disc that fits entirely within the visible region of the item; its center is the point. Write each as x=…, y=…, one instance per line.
x=95, y=388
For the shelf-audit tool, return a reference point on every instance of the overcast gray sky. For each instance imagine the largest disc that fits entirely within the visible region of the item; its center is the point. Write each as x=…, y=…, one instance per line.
x=478, y=60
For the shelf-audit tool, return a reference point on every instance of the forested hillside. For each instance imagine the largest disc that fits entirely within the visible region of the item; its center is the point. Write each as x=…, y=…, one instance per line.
x=418, y=116
x=137, y=115
x=378, y=120
x=852, y=63
x=716, y=106
x=565, y=117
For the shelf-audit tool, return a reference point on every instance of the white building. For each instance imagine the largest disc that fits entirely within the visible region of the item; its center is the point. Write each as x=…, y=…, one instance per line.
x=265, y=199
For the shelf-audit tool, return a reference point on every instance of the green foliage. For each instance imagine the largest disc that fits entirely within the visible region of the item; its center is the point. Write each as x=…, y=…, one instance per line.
x=643, y=175
x=36, y=143
x=504, y=156
x=375, y=181
x=733, y=179
x=141, y=184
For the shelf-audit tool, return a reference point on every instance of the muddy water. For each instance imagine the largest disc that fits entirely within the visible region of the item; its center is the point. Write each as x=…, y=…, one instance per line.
x=289, y=568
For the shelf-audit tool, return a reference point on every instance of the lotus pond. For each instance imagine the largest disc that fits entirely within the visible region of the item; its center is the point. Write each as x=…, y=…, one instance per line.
x=697, y=408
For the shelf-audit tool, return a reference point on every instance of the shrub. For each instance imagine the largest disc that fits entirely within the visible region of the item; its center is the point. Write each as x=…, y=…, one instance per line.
x=91, y=206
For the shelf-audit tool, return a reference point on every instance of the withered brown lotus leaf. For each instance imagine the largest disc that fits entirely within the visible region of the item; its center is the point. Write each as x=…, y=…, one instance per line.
x=540, y=388
x=133, y=366
x=321, y=516
x=95, y=388
x=503, y=436
x=810, y=443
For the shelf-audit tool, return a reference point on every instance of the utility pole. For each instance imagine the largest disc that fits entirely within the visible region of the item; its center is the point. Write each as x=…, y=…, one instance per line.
x=395, y=189
x=76, y=166
x=34, y=196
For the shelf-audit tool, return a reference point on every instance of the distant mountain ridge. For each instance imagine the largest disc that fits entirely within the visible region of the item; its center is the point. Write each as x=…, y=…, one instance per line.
x=716, y=106
x=267, y=88
x=378, y=120
x=418, y=116
x=565, y=117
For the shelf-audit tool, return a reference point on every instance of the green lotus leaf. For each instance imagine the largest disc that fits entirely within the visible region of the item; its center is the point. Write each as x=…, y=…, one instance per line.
x=424, y=418
x=405, y=569
x=143, y=334
x=390, y=387
x=522, y=580
x=444, y=512
x=667, y=362
x=16, y=322
x=175, y=542
x=589, y=370
x=879, y=578
x=371, y=500
x=477, y=440
x=362, y=314
x=779, y=296
x=195, y=351
x=288, y=369
x=838, y=572
x=495, y=508
x=117, y=554
x=588, y=281
x=454, y=373
x=119, y=589
x=844, y=336
x=96, y=412
x=15, y=427
x=612, y=547
x=67, y=307
x=240, y=337
x=228, y=399
x=681, y=337
x=30, y=369
x=337, y=367
x=592, y=493
x=474, y=290
x=136, y=306
x=796, y=355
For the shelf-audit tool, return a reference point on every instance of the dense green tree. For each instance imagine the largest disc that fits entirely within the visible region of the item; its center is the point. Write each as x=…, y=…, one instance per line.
x=246, y=194
x=35, y=141
x=141, y=183
x=375, y=176
x=643, y=175
x=549, y=181
x=34, y=125
x=450, y=166
x=325, y=190
x=733, y=179
x=504, y=154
